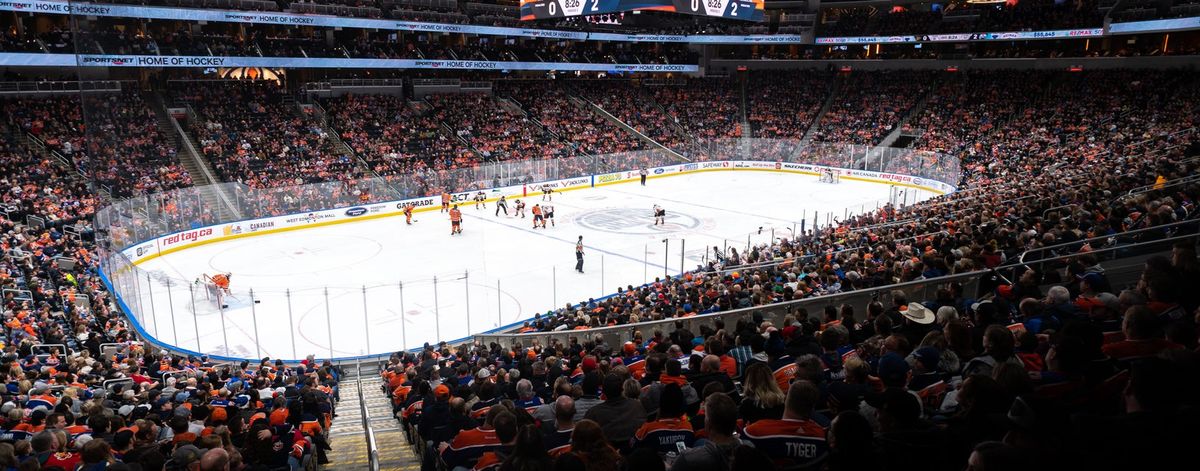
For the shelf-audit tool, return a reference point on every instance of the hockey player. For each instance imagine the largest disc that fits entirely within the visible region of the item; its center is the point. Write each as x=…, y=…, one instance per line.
x=548, y=215
x=520, y=209
x=222, y=281
x=502, y=204
x=445, y=202
x=547, y=192
x=660, y=215
x=643, y=173
x=455, y=220
x=538, y=221
x=408, y=210
x=219, y=287
x=479, y=200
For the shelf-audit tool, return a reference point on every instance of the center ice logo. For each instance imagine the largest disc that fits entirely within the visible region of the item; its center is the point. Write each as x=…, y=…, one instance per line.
x=634, y=221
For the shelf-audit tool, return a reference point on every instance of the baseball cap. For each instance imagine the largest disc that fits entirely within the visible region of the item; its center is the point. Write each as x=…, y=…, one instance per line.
x=892, y=367
x=183, y=457
x=929, y=357
x=441, y=391
x=1095, y=280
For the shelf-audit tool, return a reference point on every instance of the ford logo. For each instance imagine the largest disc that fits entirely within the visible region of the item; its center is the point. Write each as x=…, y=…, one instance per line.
x=359, y=211
x=658, y=171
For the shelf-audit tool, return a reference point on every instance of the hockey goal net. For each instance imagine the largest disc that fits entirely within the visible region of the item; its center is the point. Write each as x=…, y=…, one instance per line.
x=828, y=176
x=214, y=295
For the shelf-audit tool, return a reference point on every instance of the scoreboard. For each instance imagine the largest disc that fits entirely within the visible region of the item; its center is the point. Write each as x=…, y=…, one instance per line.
x=540, y=9
x=748, y=10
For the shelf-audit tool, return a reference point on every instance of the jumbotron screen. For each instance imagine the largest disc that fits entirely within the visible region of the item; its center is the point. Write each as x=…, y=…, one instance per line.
x=748, y=10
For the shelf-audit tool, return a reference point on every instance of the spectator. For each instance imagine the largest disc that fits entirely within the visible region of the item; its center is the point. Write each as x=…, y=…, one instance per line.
x=669, y=428
x=795, y=439
x=715, y=451
x=763, y=398
x=619, y=417
x=589, y=445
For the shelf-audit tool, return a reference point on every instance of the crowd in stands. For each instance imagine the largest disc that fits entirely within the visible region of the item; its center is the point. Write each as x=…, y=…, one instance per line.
x=495, y=130
x=1056, y=363
x=112, y=137
x=1078, y=367
x=1030, y=15
x=784, y=105
x=251, y=135
x=963, y=109
x=96, y=398
x=869, y=106
x=635, y=106
x=549, y=102
x=395, y=136
x=704, y=108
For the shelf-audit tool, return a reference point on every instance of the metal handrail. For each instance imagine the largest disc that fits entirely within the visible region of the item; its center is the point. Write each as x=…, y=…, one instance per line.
x=1021, y=258
x=372, y=447
x=1157, y=187
x=198, y=159
x=786, y=306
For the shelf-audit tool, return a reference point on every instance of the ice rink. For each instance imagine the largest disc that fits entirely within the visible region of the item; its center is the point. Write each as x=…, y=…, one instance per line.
x=377, y=286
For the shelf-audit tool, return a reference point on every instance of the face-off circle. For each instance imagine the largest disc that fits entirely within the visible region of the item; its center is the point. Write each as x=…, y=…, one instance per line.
x=635, y=221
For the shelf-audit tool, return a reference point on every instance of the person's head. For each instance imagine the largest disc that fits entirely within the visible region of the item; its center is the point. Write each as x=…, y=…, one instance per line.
x=670, y=402
x=720, y=415
x=56, y=421
x=632, y=389
x=186, y=457
x=8, y=455
x=761, y=385
x=44, y=441
x=529, y=444
x=945, y=314
x=458, y=406
x=710, y=364
x=564, y=410
x=1058, y=295
x=588, y=437
x=896, y=409
x=614, y=387
x=1140, y=323
x=997, y=456
x=524, y=389
x=998, y=342
x=645, y=459
x=95, y=451
x=506, y=427
x=215, y=459
x=802, y=398
x=850, y=433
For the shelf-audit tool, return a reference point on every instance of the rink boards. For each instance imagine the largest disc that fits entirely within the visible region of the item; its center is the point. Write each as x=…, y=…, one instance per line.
x=182, y=240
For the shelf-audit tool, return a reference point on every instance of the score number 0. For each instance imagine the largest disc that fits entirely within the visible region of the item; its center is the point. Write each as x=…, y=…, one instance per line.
x=553, y=5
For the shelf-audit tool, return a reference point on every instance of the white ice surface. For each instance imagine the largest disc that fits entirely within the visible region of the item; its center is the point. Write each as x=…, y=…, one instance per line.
x=379, y=274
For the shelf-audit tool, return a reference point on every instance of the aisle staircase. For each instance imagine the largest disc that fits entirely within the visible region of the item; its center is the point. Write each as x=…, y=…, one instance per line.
x=834, y=91
x=203, y=176
x=348, y=437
